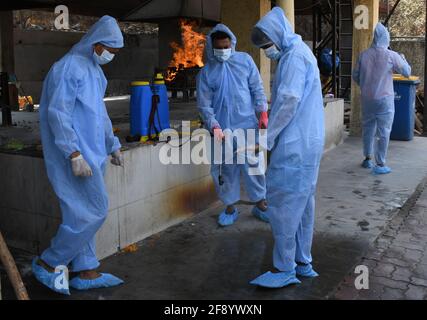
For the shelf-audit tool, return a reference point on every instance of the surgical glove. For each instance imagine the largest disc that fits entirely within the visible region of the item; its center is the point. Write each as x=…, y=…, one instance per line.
x=263, y=120
x=80, y=167
x=218, y=134
x=117, y=158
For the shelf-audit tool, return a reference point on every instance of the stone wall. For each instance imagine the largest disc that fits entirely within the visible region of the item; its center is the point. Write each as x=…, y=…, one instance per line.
x=414, y=51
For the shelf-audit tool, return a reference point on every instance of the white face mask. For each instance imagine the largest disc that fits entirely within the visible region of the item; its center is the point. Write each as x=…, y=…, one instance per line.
x=222, y=54
x=105, y=57
x=273, y=53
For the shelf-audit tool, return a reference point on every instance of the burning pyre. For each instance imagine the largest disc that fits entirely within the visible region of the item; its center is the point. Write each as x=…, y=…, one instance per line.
x=189, y=55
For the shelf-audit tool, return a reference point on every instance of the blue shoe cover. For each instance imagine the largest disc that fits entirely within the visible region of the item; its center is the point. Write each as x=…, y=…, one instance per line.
x=261, y=215
x=306, y=271
x=367, y=164
x=381, y=170
x=228, y=219
x=47, y=278
x=106, y=280
x=276, y=280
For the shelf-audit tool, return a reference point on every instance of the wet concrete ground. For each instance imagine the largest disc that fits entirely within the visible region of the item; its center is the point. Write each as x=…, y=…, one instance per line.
x=198, y=260
x=397, y=260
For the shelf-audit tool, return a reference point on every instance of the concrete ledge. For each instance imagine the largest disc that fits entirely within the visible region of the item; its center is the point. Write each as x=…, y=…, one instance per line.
x=334, y=123
x=145, y=198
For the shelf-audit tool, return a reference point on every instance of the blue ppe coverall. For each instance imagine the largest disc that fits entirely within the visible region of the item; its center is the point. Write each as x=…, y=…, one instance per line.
x=296, y=139
x=229, y=94
x=73, y=117
x=374, y=74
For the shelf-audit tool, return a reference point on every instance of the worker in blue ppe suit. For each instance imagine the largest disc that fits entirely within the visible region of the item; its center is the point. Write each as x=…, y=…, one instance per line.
x=77, y=138
x=374, y=74
x=296, y=138
x=230, y=95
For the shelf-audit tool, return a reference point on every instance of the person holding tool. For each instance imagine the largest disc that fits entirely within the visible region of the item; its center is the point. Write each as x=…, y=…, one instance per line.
x=77, y=137
x=296, y=138
x=374, y=74
x=230, y=95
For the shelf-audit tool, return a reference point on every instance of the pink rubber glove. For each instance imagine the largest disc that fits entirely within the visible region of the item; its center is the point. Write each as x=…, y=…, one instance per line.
x=218, y=134
x=263, y=120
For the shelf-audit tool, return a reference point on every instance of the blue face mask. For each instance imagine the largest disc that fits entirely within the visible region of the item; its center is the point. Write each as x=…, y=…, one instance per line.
x=273, y=53
x=222, y=54
x=105, y=57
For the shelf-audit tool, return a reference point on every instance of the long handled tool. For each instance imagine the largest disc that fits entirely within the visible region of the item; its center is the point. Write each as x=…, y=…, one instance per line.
x=12, y=271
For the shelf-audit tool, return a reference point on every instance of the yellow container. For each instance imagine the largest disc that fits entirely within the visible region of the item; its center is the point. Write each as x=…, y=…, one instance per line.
x=139, y=83
x=159, y=79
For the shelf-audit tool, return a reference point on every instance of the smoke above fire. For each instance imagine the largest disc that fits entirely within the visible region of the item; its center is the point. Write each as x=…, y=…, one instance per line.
x=190, y=53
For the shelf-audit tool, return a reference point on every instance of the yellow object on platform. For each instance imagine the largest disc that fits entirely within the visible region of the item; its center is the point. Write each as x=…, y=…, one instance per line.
x=402, y=78
x=144, y=139
x=159, y=79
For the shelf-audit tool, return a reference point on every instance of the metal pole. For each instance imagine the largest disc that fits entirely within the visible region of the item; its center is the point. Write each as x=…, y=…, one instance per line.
x=314, y=28
x=338, y=45
x=388, y=8
x=334, y=48
x=425, y=80
x=319, y=28
x=391, y=12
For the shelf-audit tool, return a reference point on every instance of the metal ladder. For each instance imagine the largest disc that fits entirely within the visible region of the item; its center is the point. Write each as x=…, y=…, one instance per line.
x=338, y=14
x=345, y=47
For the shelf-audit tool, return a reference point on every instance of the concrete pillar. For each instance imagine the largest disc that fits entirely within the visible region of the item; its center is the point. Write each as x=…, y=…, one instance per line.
x=362, y=39
x=240, y=17
x=289, y=8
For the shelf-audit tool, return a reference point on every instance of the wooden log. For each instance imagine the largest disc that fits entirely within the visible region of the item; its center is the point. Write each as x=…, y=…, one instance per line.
x=12, y=271
x=418, y=123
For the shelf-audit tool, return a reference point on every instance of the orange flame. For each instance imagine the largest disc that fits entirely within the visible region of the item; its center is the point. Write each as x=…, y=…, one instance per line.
x=190, y=54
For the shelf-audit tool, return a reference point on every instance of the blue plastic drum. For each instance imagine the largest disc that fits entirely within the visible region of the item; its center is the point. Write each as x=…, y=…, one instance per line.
x=404, y=102
x=140, y=107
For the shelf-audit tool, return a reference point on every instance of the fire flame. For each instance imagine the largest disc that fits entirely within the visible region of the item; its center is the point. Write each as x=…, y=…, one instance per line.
x=190, y=54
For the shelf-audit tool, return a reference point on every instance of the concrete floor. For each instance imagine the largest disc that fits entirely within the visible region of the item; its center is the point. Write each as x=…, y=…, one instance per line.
x=397, y=260
x=198, y=260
